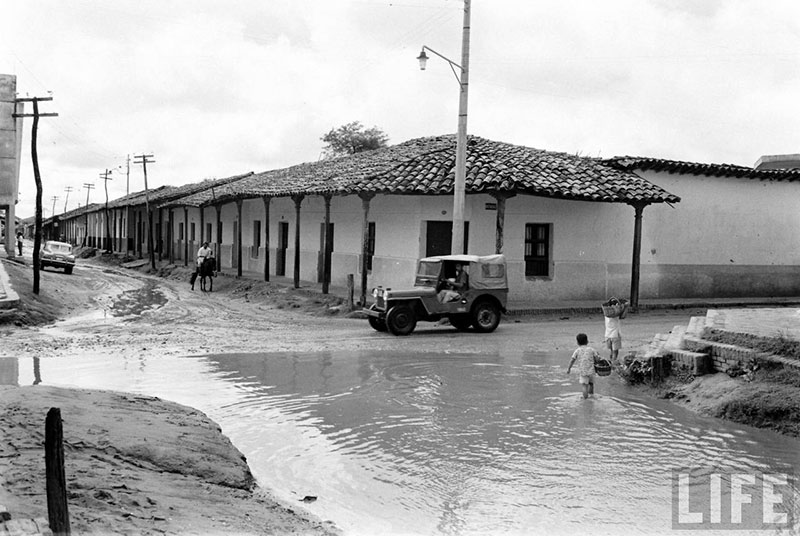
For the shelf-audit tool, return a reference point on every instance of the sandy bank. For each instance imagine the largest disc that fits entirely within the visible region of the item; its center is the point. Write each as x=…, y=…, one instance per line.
x=135, y=465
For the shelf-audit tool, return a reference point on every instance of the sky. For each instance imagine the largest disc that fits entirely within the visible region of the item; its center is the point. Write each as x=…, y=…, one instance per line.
x=215, y=89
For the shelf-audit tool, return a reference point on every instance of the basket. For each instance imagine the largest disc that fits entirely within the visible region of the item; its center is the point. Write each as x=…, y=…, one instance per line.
x=614, y=308
x=602, y=367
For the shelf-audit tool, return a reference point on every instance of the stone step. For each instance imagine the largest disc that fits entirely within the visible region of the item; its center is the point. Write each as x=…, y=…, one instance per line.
x=696, y=327
x=724, y=356
x=656, y=346
x=675, y=339
x=697, y=363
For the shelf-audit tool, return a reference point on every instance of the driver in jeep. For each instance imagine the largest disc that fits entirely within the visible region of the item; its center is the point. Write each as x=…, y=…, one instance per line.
x=454, y=287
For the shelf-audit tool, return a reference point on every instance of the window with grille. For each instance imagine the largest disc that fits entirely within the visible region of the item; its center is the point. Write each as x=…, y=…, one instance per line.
x=537, y=250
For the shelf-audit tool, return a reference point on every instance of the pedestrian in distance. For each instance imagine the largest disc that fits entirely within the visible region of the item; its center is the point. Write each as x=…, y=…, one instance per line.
x=585, y=356
x=19, y=242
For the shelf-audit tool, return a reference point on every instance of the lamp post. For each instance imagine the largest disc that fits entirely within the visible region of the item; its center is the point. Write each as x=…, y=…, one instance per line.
x=459, y=189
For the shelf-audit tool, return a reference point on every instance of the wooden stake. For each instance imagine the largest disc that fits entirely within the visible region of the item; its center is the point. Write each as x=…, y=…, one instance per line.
x=57, y=509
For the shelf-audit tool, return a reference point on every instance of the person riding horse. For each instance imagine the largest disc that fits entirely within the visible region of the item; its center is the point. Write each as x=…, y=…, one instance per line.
x=204, y=254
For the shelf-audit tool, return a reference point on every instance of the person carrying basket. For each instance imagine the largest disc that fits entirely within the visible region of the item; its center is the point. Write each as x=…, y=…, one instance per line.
x=614, y=311
x=587, y=357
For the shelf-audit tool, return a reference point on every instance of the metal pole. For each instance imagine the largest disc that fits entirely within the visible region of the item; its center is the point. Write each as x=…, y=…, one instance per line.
x=459, y=189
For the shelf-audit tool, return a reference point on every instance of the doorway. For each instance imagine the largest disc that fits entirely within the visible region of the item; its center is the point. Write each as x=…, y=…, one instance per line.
x=283, y=244
x=439, y=238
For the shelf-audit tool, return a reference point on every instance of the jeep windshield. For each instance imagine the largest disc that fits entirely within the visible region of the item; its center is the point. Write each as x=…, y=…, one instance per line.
x=428, y=273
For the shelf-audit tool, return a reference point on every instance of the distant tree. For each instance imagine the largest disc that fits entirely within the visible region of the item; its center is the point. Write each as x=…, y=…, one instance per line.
x=353, y=138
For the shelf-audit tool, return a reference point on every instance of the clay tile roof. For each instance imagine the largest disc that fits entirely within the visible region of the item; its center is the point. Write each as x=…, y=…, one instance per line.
x=693, y=168
x=426, y=166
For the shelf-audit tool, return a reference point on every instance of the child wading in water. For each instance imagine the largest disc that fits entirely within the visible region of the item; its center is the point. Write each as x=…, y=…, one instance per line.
x=585, y=356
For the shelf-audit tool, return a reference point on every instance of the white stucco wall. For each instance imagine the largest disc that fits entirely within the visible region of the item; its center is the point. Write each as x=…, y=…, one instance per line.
x=727, y=237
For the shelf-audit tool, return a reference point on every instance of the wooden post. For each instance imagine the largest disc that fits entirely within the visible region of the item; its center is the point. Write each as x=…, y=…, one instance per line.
x=500, y=220
x=239, y=239
x=57, y=509
x=327, y=247
x=171, y=237
x=266, y=200
x=365, y=199
x=186, y=236
x=350, y=290
x=218, y=207
x=298, y=199
x=637, y=254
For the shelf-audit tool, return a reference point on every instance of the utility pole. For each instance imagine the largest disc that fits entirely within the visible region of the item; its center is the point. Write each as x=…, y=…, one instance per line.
x=53, y=217
x=106, y=178
x=128, y=175
x=145, y=159
x=89, y=187
x=68, y=189
x=37, y=237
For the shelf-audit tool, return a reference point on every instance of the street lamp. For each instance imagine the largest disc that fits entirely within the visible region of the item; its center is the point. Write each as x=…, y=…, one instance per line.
x=459, y=189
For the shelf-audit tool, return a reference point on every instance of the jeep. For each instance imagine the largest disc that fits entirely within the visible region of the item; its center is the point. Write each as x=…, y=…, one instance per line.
x=479, y=305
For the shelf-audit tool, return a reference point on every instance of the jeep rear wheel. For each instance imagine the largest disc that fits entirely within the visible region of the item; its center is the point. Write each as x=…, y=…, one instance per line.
x=461, y=322
x=378, y=324
x=485, y=317
x=401, y=320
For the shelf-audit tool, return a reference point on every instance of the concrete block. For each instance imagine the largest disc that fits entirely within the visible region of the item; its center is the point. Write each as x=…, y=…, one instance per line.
x=675, y=338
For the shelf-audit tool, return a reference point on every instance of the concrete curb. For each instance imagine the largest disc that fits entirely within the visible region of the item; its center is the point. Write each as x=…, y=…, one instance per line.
x=8, y=298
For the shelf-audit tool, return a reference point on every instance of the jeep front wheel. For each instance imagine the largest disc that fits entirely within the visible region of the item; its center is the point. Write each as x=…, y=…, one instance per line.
x=378, y=324
x=401, y=320
x=485, y=317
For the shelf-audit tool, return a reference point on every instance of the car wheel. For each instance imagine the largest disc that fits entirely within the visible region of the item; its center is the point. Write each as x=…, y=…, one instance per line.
x=485, y=317
x=461, y=322
x=401, y=320
x=378, y=324
x=68, y=270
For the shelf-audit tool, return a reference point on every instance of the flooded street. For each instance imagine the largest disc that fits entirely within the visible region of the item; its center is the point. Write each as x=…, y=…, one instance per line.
x=441, y=443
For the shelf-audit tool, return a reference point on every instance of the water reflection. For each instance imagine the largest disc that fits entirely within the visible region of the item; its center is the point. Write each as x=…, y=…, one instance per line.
x=445, y=443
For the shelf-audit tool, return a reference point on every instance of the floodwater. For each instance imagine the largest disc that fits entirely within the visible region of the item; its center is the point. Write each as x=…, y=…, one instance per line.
x=448, y=443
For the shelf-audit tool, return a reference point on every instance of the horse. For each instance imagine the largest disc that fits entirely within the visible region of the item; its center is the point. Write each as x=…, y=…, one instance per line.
x=207, y=272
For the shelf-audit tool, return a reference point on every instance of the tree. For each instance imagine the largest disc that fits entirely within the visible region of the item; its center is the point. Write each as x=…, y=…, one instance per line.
x=353, y=138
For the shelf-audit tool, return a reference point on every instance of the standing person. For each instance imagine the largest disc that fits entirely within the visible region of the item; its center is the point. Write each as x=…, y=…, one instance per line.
x=613, y=335
x=19, y=242
x=585, y=356
x=202, y=254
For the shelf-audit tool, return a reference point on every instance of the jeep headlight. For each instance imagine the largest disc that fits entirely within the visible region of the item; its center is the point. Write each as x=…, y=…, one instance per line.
x=375, y=293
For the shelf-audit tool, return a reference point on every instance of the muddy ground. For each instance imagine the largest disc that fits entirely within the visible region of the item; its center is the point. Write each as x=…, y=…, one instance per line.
x=144, y=479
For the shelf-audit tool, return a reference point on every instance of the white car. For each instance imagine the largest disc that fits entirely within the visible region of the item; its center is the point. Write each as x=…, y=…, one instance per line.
x=57, y=255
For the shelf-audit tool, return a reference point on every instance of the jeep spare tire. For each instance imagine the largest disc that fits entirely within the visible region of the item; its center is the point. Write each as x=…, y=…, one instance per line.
x=485, y=316
x=401, y=320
